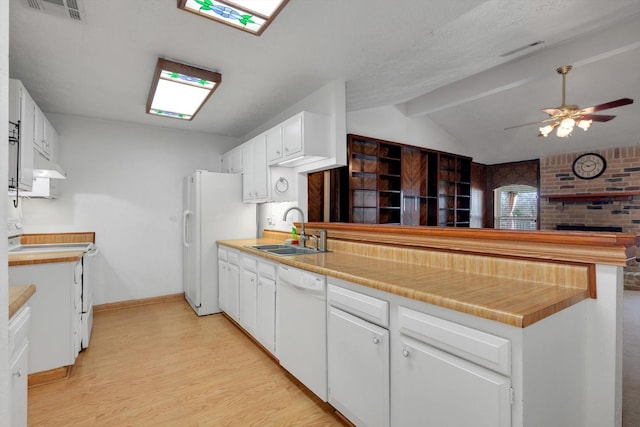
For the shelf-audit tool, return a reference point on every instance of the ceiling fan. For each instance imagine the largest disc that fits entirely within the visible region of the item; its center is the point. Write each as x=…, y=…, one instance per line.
x=566, y=116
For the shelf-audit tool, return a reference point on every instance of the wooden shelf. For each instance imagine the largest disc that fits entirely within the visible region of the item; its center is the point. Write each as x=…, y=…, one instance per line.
x=591, y=197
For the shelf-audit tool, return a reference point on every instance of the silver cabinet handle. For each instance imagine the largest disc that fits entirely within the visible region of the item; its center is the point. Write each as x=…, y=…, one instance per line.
x=405, y=353
x=18, y=373
x=376, y=340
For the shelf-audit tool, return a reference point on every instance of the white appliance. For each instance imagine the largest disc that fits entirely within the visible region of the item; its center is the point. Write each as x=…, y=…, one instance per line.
x=213, y=211
x=301, y=327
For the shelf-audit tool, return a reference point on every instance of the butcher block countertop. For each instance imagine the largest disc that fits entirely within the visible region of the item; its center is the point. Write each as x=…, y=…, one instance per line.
x=44, y=257
x=515, y=302
x=18, y=296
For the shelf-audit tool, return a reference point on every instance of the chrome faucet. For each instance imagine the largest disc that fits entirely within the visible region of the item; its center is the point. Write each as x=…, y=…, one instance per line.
x=302, y=236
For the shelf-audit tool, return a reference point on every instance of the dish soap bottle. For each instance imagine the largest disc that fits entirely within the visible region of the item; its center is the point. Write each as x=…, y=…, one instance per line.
x=294, y=237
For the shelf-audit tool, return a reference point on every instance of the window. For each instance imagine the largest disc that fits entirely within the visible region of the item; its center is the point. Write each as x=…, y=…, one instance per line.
x=516, y=207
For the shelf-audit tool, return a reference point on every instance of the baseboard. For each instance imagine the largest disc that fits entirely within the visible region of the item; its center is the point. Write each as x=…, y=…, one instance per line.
x=137, y=302
x=50, y=376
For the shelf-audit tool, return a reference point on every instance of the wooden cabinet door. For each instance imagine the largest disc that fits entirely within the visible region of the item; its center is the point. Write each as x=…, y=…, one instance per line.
x=413, y=172
x=436, y=388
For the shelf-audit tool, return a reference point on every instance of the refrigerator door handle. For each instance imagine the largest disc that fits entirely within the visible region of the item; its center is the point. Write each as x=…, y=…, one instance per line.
x=185, y=218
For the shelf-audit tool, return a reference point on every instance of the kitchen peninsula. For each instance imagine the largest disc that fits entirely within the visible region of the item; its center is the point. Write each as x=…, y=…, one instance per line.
x=552, y=298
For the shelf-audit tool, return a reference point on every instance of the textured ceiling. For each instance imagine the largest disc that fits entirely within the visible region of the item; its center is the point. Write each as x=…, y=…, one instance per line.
x=437, y=60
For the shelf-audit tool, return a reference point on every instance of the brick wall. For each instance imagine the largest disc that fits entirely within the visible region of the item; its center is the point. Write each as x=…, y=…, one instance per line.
x=621, y=175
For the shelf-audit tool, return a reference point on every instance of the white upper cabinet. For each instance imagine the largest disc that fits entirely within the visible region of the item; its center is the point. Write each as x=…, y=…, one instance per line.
x=301, y=139
x=21, y=110
x=232, y=161
x=274, y=144
x=255, y=179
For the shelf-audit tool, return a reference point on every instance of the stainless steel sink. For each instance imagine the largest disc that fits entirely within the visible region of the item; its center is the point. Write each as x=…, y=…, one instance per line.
x=285, y=250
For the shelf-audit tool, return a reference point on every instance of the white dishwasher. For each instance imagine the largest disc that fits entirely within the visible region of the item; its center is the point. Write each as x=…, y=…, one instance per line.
x=301, y=327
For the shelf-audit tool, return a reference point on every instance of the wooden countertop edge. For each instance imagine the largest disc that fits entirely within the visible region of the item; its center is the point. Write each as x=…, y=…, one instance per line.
x=18, y=296
x=565, y=246
x=520, y=320
x=43, y=258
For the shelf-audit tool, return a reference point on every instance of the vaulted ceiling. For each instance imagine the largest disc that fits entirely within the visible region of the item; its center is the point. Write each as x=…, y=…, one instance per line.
x=450, y=62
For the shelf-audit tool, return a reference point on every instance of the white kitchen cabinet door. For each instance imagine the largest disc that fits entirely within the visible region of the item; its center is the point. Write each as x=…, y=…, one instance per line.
x=21, y=110
x=358, y=369
x=266, y=313
x=222, y=284
x=233, y=291
x=19, y=383
x=42, y=129
x=255, y=179
x=292, y=138
x=248, y=300
x=274, y=144
x=232, y=161
x=434, y=388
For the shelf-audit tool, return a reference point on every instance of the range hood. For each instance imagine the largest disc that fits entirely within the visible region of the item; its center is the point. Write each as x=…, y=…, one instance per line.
x=45, y=168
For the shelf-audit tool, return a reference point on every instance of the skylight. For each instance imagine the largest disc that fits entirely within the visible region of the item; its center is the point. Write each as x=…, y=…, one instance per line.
x=252, y=16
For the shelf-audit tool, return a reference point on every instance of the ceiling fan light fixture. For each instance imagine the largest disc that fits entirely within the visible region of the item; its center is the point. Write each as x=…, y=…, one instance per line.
x=546, y=130
x=565, y=128
x=584, y=124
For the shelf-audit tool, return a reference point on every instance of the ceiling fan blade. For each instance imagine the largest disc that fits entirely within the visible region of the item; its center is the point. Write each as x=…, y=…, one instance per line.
x=597, y=117
x=525, y=124
x=612, y=104
x=552, y=111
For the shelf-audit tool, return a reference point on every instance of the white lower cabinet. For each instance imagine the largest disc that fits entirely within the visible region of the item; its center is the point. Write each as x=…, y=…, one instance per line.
x=266, y=305
x=247, y=291
x=358, y=356
x=56, y=312
x=432, y=387
x=248, y=294
x=358, y=367
x=19, y=326
x=229, y=282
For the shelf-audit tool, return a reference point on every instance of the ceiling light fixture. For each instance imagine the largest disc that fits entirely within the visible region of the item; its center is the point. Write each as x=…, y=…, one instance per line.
x=565, y=117
x=253, y=16
x=179, y=90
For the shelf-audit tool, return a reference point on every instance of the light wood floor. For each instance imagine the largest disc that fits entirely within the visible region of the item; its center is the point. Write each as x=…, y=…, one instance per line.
x=161, y=365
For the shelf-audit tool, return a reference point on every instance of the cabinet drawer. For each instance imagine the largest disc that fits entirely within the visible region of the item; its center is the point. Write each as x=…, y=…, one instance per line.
x=19, y=329
x=479, y=347
x=363, y=306
x=249, y=263
x=222, y=254
x=232, y=257
x=267, y=269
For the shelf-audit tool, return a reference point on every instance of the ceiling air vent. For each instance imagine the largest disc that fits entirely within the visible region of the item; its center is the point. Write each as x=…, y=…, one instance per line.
x=69, y=9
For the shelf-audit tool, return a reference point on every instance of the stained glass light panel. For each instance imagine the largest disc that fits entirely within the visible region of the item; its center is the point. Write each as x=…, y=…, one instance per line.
x=249, y=15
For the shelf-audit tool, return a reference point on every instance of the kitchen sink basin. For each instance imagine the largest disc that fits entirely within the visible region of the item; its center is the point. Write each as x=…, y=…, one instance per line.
x=284, y=250
x=269, y=247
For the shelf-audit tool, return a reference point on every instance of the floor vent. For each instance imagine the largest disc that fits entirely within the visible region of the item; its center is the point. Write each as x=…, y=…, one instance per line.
x=69, y=9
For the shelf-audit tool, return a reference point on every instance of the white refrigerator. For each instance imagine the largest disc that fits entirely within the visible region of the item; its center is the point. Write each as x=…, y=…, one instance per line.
x=213, y=210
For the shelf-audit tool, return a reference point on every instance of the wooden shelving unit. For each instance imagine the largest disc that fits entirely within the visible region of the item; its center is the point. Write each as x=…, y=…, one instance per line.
x=392, y=183
x=454, y=190
x=363, y=180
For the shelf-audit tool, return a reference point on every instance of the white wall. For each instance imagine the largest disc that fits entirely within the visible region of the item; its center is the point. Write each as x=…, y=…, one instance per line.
x=390, y=124
x=4, y=154
x=125, y=183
